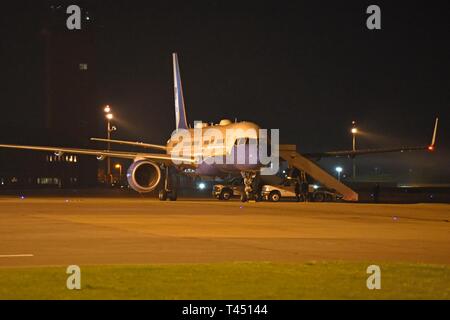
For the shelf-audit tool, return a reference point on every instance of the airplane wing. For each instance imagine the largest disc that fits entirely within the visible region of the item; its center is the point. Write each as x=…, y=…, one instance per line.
x=359, y=152
x=160, y=158
x=131, y=143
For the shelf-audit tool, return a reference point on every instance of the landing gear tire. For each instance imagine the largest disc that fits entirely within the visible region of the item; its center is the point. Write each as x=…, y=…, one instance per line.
x=225, y=195
x=162, y=195
x=274, y=196
x=167, y=195
x=173, y=195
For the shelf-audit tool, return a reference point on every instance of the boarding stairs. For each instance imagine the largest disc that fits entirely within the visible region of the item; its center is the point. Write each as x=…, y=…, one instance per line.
x=289, y=153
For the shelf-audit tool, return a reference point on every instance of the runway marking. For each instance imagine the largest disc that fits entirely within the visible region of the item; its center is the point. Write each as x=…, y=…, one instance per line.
x=15, y=255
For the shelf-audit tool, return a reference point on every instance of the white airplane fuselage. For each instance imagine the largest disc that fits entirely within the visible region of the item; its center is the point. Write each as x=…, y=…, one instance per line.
x=221, y=149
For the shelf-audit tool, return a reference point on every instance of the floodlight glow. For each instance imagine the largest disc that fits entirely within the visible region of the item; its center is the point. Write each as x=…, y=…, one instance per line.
x=201, y=186
x=338, y=169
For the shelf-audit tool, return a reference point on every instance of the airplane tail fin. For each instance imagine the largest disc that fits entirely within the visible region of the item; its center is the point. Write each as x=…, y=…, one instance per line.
x=433, y=139
x=180, y=111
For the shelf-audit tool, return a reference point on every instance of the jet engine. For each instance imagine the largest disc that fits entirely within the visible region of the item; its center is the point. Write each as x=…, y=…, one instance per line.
x=143, y=176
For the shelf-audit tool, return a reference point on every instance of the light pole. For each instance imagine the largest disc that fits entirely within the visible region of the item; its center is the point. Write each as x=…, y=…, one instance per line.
x=354, y=132
x=118, y=166
x=109, y=129
x=339, y=170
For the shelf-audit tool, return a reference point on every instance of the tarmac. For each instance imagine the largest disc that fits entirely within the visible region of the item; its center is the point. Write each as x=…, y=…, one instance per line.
x=95, y=231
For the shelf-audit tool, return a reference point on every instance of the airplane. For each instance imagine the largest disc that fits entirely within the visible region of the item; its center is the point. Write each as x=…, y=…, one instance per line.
x=193, y=151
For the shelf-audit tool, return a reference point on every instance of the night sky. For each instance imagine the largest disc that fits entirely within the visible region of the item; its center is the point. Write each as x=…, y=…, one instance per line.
x=306, y=67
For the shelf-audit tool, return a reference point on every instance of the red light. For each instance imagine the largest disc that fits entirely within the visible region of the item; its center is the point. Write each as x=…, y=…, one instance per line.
x=431, y=148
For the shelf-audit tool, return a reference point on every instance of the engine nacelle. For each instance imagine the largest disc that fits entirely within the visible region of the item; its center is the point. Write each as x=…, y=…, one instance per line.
x=143, y=176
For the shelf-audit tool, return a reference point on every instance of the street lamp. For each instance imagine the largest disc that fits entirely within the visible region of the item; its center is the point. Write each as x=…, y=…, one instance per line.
x=109, y=116
x=339, y=170
x=118, y=166
x=354, y=131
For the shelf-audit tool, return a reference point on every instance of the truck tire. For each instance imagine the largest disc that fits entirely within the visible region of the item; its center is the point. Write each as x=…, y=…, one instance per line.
x=225, y=194
x=274, y=196
x=319, y=197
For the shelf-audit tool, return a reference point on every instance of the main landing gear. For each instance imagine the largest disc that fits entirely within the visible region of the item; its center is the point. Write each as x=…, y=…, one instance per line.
x=249, y=192
x=170, y=186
